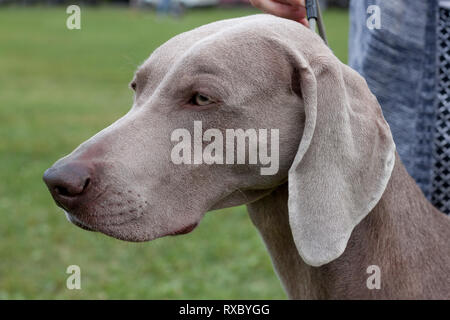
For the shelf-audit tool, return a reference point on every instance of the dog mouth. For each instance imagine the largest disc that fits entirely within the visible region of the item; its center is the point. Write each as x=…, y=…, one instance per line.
x=78, y=223
x=184, y=230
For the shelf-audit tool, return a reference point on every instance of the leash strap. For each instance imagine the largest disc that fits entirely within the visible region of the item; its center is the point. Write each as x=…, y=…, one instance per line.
x=314, y=15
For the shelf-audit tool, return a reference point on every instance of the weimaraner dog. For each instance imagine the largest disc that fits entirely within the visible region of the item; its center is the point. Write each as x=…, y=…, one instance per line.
x=340, y=202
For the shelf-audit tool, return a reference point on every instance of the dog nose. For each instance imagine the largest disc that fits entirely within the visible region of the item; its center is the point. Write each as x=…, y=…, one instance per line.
x=67, y=182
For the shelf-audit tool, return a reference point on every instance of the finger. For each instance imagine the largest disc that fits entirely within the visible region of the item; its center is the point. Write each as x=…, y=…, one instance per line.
x=301, y=10
x=297, y=5
x=304, y=22
x=294, y=3
x=280, y=9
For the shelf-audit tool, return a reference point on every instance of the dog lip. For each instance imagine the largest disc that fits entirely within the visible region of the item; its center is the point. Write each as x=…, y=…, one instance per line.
x=184, y=230
x=82, y=226
x=77, y=222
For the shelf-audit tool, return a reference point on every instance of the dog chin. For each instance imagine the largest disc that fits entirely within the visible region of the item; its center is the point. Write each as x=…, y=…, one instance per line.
x=127, y=235
x=77, y=222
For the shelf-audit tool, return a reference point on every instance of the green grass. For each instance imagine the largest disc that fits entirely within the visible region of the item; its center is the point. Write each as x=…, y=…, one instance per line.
x=59, y=87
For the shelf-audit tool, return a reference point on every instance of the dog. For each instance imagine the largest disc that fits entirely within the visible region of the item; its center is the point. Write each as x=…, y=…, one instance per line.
x=340, y=202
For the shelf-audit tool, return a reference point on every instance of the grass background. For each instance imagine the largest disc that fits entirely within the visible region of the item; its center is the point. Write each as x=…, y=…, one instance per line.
x=58, y=88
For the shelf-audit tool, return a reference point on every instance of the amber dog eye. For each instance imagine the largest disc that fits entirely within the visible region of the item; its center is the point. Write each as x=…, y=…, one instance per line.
x=201, y=100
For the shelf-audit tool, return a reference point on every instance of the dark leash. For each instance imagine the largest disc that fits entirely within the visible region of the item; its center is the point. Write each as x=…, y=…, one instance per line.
x=315, y=18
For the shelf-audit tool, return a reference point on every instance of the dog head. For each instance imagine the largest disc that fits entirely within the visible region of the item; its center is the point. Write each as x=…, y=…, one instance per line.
x=303, y=116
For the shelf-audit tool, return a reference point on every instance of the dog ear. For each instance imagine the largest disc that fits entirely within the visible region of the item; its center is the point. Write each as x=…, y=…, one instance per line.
x=344, y=160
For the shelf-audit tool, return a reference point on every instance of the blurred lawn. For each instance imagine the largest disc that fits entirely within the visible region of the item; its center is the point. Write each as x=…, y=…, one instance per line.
x=59, y=87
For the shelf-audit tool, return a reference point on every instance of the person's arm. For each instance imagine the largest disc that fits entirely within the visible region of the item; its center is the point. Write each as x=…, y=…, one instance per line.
x=289, y=9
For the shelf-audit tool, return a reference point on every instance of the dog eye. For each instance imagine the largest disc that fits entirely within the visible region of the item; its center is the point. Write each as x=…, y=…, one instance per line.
x=133, y=85
x=201, y=100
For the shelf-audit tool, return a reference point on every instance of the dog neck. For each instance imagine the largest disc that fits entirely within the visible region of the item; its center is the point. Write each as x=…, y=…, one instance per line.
x=401, y=235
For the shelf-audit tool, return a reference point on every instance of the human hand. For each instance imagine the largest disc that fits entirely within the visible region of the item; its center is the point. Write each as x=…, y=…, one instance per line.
x=289, y=9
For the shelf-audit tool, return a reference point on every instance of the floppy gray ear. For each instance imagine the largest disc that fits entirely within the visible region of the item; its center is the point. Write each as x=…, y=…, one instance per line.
x=344, y=160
